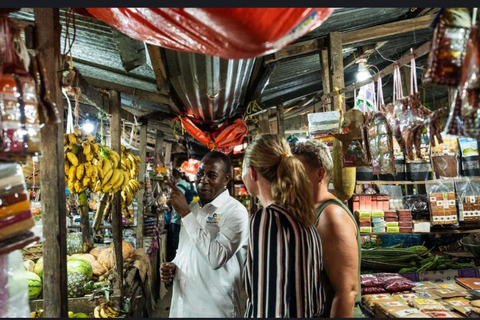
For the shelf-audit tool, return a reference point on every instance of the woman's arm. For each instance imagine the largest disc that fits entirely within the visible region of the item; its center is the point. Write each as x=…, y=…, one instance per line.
x=340, y=254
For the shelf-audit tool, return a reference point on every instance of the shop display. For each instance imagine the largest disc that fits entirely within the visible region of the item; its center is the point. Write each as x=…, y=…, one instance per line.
x=442, y=201
x=468, y=197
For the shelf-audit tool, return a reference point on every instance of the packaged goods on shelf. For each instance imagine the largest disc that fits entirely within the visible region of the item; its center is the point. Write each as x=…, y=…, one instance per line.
x=442, y=202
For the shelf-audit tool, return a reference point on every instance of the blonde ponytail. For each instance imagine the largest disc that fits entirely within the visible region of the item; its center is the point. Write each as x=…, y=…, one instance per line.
x=270, y=155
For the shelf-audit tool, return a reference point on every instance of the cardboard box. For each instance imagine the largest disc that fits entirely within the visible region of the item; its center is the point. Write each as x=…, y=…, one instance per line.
x=391, y=224
x=366, y=229
x=378, y=213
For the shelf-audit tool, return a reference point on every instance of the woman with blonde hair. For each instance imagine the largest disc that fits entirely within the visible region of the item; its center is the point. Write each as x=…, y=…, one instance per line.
x=335, y=225
x=284, y=257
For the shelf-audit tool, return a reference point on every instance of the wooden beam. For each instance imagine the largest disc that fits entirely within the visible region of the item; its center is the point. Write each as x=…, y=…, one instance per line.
x=158, y=67
x=336, y=77
x=141, y=180
x=52, y=176
x=296, y=49
x=387, y=30
x=93, y=97
x=117, y=225
x=145, y=95
x=325, y=67
x=406, y=58
x=280, y=120
x=360, y=53
x=351, y=37
x=263, y=122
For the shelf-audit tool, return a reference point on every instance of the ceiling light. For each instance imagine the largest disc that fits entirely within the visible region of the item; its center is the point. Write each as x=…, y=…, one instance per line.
x=362, y=73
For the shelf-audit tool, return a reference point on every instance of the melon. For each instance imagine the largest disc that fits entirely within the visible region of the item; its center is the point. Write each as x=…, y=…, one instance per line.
x=74, y=243
x=29, y=265
x=38, y=269
x=107, y=258
x=96, y=251
x=127, y=249
x=98, y=268
x=34, y=285
x=81, y=266
x=85, y=256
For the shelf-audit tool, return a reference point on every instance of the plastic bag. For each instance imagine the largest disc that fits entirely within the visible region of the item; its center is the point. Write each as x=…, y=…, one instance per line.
x=230, y=33
x=468, y=193
x=396, y=284
x=380, y=142
x=448, y=47
x=441, y=195
x=445, y=159
x=371, y=290
x=13, y=286
x=419, y=206
x=371, y=280
x=470, y=156
x=16, y=219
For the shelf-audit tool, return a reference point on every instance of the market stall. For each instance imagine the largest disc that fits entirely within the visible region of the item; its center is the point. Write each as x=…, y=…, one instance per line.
x=117, y=114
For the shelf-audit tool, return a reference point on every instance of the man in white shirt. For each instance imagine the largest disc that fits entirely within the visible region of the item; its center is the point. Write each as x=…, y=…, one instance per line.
x=208, y=268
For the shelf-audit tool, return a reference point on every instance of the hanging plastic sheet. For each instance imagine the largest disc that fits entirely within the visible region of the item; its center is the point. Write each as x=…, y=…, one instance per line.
x=229, y=33
x=224, y=139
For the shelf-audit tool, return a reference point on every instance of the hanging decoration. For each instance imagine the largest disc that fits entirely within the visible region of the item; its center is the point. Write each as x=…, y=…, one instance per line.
x=229, y=33
x=190, y=166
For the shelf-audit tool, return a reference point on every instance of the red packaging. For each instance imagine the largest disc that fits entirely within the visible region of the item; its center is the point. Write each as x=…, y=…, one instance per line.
x=404, y=212
x=363, y=203
x=371, y=290
x=374, y=201
x=390, y=213
x=365, y=224
x=386, y=202
x=399, y=283
x=356, y=203
x=371, y=280
x=407, y=224
x=405, y=218
x=405, y=230
x=391, y=219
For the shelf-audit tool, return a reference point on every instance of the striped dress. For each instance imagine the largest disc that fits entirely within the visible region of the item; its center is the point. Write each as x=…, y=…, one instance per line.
x=284, y=266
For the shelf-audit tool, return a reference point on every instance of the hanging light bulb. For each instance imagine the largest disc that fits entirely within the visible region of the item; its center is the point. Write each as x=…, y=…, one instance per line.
x=88, y=127
x=362, y=73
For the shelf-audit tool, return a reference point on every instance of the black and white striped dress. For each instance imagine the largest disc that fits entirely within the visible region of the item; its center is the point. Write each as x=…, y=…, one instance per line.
x=284, y=266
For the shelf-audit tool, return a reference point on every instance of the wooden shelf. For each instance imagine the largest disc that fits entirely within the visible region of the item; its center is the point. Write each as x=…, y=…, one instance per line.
x=381, y=182
x=454, y=231
x=101, y=227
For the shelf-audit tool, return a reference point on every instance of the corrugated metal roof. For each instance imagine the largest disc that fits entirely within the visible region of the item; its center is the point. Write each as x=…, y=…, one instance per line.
x=211, y=88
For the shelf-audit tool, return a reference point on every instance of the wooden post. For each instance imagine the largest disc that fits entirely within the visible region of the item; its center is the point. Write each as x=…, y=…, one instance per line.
x=117, y=226
x=280, y=120
x=141, y=180
x=325, y=72
x=337, y=79
x=159, y=148
x=52, y=176
x=168, y=153
x=264, y=124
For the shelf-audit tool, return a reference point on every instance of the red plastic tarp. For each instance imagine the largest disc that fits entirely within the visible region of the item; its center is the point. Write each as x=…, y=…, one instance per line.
x=223, y=139
x=229, y=33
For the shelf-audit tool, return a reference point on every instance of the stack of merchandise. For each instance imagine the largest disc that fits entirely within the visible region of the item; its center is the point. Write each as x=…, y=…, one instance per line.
x=15, y=216
x=419, y=299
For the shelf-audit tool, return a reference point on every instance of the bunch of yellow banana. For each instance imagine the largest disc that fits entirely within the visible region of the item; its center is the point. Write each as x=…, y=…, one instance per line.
x=105, y=310
x=129, y=192
x=81, y=155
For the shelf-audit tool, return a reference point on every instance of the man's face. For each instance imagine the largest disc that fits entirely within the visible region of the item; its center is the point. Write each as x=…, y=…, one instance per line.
x=211, y=179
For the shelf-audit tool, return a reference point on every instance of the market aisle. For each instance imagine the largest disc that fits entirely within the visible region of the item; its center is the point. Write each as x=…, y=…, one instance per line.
x=163, y=307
